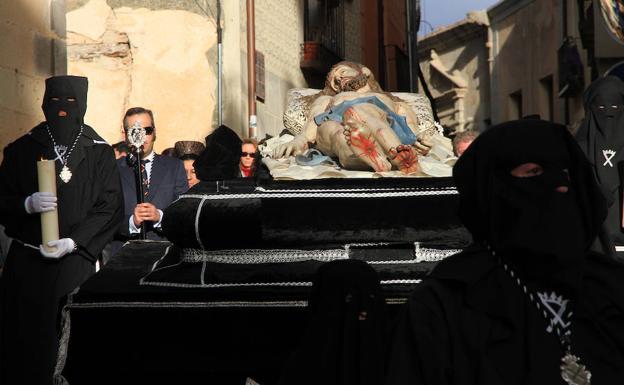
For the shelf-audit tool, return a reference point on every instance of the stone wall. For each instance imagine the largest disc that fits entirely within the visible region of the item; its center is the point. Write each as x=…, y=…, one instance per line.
x=155, y=58
x=33, y=48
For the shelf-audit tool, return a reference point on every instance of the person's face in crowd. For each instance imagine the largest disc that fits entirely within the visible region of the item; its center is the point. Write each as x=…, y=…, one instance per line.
x=119, y=154
x=191, y=178
x=247, y=158
x=146, y=122
x=530, y=170
x=462, y=146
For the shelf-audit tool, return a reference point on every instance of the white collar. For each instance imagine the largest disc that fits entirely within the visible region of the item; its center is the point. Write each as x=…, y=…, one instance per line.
x=150, y=157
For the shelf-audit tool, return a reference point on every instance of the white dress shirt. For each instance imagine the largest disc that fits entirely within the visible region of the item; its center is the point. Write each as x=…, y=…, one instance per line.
x=148, y=170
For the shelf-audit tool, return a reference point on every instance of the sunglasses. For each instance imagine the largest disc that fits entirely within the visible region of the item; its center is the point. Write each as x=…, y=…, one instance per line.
x=246, y=154
x=148, y=130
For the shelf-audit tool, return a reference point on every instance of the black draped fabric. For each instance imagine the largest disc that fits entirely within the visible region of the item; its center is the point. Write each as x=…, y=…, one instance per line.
x=315, y=213
x=469, y=322
x=344, y=342
x=89, y=207
x=601, y=136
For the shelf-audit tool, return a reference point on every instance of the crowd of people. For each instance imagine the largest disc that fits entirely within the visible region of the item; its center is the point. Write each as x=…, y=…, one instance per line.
x=536, y=299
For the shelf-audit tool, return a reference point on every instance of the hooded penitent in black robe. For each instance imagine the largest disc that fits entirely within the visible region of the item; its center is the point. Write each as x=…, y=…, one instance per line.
x=89, y=209
x=601, y=137
x=220, y=158
x=344, y=343
x=470, y=322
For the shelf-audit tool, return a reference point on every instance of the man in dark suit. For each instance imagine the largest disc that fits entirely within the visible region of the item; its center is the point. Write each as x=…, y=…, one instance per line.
x=166, y=180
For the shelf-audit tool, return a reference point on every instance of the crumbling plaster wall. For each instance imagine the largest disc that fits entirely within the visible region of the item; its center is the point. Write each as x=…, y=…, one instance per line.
x=159, y=58
x=32, y=48
x=161, y=54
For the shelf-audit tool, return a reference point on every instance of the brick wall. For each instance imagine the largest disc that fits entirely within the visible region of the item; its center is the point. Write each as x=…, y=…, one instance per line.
x=279, y=34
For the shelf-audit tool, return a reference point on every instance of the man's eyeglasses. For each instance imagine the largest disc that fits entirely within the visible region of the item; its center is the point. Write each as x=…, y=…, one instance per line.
x=246, y=154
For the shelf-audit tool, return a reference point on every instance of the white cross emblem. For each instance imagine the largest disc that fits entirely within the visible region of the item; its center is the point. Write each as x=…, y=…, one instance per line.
x=608, y=154
x=60, y=150
x=556, y=306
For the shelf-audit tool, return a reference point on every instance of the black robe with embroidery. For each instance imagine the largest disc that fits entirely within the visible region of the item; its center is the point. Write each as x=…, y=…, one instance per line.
x=463, y=326
x=90, y=209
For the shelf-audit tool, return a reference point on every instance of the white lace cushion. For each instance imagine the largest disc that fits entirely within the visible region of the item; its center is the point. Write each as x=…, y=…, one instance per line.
x=296, y=112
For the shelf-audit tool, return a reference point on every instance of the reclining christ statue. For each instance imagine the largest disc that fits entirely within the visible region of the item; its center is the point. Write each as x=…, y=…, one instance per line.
x=353, y=119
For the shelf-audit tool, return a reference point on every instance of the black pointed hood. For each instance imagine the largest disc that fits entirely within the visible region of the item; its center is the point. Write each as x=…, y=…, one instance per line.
x=601, y=135
x=545, y=232
x=68, y=94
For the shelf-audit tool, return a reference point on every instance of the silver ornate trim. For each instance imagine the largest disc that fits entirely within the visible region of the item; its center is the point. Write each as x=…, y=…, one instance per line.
x=263, y=284
x=199, y=209
x=259, y=256
x=185, y=305
x=424, y=254
x=142, y=282
x=366, y=194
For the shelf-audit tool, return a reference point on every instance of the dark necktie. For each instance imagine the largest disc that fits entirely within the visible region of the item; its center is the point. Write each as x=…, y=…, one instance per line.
x=144, y=177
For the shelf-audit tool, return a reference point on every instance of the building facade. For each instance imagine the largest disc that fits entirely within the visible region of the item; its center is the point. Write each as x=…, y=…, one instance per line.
x=520, y=58
x=33, y=48
x=454, y=62
x=162, y=55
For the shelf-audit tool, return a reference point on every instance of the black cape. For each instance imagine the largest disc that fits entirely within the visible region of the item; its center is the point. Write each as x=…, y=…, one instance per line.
x=463, y=326
x=90, y=209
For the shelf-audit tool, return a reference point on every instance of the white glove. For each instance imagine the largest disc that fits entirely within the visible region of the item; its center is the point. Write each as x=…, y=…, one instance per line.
x=63, y=246
x=40, y=202
x=295, y=147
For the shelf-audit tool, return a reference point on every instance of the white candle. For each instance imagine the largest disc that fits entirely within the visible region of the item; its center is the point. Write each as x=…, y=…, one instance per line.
x=46, y=174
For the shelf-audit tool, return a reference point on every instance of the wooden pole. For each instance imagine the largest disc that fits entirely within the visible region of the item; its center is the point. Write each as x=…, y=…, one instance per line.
x=251, y=68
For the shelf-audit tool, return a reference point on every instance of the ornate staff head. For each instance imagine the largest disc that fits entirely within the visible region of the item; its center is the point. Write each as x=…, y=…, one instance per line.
x=136, y=135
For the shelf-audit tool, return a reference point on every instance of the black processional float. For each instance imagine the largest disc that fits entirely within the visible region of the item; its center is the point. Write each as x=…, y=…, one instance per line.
x=241, y=256
x=136, y=139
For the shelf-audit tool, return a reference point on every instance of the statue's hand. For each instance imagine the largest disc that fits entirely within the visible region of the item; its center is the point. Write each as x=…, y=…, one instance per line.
x=295, y=147
x=422, y=146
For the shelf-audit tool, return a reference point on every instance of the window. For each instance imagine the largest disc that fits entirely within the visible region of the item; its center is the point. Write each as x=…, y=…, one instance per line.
x=515, y=105
x=546, y=98
x=324, y=23
x=260, y=82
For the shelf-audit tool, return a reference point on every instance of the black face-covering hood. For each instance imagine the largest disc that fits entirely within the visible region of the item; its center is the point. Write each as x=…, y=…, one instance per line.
x=69, y=94
x=601, y=134
x=543, y=233
x=220, y=158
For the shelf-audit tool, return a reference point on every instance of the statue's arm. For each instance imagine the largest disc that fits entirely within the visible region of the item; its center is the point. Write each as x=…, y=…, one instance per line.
x=300, y=143
x=424, y=141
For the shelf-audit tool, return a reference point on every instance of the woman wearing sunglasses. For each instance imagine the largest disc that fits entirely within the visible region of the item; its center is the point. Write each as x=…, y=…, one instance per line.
x=247, y=164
